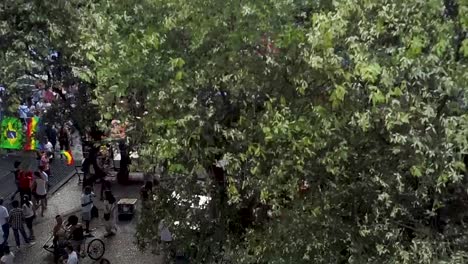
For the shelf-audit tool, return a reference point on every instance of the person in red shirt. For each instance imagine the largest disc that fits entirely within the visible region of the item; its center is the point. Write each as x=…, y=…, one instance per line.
x=49, y=95
x=24, y=183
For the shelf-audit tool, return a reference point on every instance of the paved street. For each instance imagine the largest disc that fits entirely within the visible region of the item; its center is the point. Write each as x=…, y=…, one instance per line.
x=66, y=201
x=120, y=249
x=60, y=171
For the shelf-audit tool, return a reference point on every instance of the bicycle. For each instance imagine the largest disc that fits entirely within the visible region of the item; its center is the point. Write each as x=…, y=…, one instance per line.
x=94, y=249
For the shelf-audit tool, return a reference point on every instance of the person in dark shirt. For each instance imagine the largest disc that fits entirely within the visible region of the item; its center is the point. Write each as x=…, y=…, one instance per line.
x=64, y=141
x=16, y=173
x=51, y=134
x=16, y=222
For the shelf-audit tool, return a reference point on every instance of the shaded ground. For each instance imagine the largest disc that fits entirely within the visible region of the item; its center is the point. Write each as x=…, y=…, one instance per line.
x=120, y=249
x=60, y=171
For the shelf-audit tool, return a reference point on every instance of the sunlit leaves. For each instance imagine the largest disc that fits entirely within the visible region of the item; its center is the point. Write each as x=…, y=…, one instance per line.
x=369, y=72
x=334, y=125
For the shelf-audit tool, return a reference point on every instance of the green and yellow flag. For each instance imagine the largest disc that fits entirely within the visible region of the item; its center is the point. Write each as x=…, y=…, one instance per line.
x=12, y=133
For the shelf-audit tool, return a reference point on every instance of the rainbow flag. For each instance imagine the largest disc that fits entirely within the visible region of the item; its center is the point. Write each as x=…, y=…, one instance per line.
x=12, y=133
x=68, y=155
x=31, y=142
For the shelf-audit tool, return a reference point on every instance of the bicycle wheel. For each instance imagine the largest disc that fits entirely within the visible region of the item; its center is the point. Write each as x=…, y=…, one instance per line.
x=96, y=249
x=104, y=261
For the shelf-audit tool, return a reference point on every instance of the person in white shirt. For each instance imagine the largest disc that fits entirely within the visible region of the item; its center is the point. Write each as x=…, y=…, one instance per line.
x=4, y=222
x=28, y=212
x=40, y=105
x=7, y=257
x=72, y=256
x=32, y=109
x=87, y=206
x=40, y=184
x=49, y=148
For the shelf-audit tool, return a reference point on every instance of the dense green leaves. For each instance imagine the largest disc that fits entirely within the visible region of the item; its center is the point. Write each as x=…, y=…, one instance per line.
x=339, y=126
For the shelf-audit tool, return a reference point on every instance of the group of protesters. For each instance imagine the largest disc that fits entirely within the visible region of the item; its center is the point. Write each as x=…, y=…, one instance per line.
x=30, y=199
x=43, y=97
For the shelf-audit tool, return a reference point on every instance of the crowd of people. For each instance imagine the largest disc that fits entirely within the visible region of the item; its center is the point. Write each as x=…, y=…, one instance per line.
x=30, y=199
x=43, y=97
x=68, y=237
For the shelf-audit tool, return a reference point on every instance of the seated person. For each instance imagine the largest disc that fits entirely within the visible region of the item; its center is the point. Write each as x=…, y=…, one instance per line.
x=60, y=239
x=75, y=233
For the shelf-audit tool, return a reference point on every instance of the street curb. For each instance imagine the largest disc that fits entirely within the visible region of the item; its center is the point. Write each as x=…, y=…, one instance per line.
x=63, y=214
x=62, y=183
x=52, y=190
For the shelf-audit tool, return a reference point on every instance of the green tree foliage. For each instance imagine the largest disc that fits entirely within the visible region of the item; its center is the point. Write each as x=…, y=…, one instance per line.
x=339, y=126
x=30, y=33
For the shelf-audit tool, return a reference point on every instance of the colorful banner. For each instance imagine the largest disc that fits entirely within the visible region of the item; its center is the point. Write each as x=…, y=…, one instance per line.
x=12, y=133
x=31, y=142
x=68, y=155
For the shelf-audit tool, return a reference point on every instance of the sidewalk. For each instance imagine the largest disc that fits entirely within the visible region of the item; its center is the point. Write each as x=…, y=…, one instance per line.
x=60, y=171
x=120, y=249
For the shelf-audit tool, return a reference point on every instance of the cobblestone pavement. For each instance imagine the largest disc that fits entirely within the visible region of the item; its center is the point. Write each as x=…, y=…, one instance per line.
x=120, y=249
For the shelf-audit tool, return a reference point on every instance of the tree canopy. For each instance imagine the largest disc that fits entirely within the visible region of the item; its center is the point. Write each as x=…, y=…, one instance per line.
x=326, y=131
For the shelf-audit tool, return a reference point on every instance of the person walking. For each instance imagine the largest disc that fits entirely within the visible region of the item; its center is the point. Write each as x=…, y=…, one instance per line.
x=87, y=206
x=17, y=224
x=45, y=176
x=25, y=182
x=64, y=141
x=86, y=169
x=16, y=173
x=28, y=211
x=110, y=213
x=146, y=193
x=44, y=162
x=7, y=257
x=165, y=236
x=40, y=185
x=52, y=135
x=4, y=222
